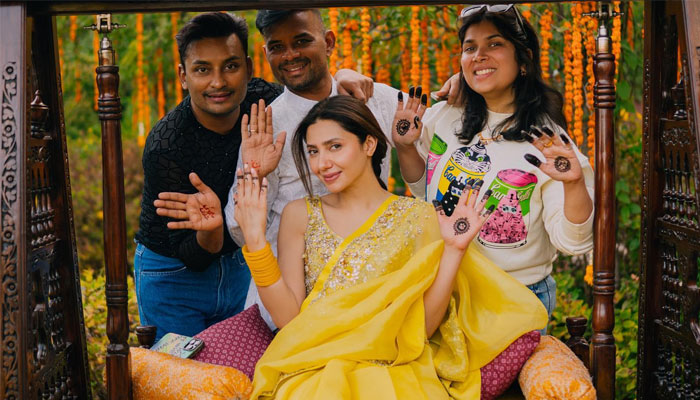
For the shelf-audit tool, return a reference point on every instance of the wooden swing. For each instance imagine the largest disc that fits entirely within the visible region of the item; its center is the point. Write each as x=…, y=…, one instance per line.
x=43, y=333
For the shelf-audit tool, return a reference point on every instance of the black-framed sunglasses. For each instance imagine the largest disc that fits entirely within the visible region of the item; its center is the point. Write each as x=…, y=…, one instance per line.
x=497, y=9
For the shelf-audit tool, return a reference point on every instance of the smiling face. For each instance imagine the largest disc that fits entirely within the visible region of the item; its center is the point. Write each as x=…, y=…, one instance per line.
x=297, y=49
x=489, y=64
x=337, y=157
x=216, y=74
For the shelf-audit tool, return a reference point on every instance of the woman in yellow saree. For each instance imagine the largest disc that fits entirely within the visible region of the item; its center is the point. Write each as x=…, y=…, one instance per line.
x=366, y=278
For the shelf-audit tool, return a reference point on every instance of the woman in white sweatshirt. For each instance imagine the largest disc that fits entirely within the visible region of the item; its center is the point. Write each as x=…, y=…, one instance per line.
x=509, y=137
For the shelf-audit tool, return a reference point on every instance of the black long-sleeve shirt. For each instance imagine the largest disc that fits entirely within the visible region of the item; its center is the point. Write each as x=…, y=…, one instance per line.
x=177, y=145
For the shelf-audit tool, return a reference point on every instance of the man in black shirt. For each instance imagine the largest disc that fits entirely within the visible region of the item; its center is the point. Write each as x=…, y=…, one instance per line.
x=188, y=279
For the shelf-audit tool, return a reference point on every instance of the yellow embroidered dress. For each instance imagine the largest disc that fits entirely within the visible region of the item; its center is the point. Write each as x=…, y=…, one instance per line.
x=361, y=331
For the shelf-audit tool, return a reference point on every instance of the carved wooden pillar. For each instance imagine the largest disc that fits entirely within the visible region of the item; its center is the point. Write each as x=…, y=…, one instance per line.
x=109, y=112
x=603, y=342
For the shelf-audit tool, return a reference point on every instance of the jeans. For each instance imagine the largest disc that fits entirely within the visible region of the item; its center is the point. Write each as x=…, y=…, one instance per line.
x=176, y=299
x=546, y=291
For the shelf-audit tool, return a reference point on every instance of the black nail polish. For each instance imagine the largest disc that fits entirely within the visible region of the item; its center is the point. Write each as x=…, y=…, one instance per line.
x=487, y=193
x=548, y=131
x=527, y=137
x=411, y=91
x=532, y=159
x=424, y=99
x=535, y=131
x=437, y=205
x=400, y=96
x=419, y=91
x=478, y=184
x=491, y=208
x=564, y=139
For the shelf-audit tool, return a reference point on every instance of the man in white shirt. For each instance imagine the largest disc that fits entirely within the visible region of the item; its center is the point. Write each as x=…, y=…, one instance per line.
x=297, y=46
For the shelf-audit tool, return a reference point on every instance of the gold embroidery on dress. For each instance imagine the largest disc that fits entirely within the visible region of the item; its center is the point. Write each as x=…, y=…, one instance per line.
x=386, y=246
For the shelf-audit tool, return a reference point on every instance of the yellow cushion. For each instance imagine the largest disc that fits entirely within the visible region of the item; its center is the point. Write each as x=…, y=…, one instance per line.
x=554, y=372
x=156, y=375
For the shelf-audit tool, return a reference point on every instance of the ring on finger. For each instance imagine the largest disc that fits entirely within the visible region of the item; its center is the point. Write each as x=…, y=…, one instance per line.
x=548, y=144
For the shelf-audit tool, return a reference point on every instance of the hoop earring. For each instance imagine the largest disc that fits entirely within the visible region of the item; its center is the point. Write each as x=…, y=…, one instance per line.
x=523, y=72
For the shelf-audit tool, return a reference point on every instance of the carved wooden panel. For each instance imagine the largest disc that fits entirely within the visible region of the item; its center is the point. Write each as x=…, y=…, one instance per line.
x=43, y=335
x=669, y=356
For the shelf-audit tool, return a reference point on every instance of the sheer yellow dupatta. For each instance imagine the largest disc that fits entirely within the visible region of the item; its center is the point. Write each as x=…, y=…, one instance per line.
x=368, y=341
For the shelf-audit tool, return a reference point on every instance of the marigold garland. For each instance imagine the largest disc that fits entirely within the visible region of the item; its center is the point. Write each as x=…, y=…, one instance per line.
x=527, y=13
x=333, y=14
x=95, y=50
x=405, y=60
x=348, y=61
x=177, y=88
x=60, y=55
x=568, y=78
x=546, y=35
x=366, y=41
x=161, y=91
x=415, y=43
x=140, y=90
x=591, y=25
x=630, y=26
x=616, y=37
x=73, y=36
x=577, y=70
x=425, y=64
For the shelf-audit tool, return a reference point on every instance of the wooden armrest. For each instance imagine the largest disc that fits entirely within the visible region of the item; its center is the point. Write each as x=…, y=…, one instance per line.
x=146, y=335
x=576, y=326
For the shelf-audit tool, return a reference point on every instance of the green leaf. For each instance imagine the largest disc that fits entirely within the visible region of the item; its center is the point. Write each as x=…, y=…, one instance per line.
x=623, y=89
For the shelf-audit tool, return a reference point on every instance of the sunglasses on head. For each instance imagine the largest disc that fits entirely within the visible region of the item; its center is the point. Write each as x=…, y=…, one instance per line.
x=497, y=9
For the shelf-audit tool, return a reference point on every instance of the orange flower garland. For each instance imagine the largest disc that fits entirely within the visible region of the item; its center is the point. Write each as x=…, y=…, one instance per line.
x=60, y=55
x=161, y=92
x=527, y=13
x=140, y=90
x=333, y=18
x=348, y=61
x=568, y=78
x=405, y=60
x=366, y=41
x=616, y=37
x=73, y=36
x=177, y=88
x=546, y=34
x=415, y=43
x=425, y=65
x=95, y=50
x=591, y=25
x=630, y=26
x=577, y=71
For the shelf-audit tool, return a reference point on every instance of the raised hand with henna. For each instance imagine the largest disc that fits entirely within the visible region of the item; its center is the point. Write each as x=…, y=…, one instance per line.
x=460, y=228
x=258, y=149
x=561, y=163
x=199, y=211
x=407, y=125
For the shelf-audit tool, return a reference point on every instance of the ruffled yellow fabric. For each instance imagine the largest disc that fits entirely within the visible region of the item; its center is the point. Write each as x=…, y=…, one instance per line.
x=368, y=340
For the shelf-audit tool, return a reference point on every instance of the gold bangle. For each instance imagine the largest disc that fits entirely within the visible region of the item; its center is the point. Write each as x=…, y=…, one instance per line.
x=263, y=265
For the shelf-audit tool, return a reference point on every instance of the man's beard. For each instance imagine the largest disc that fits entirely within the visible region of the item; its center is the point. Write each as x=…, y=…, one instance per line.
x=313, y=77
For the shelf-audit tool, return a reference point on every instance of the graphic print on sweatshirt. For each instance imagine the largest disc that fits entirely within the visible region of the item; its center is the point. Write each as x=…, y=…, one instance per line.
x=508, y=226
x=465, y=163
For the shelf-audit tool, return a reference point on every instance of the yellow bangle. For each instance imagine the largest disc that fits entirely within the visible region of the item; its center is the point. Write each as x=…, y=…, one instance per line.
x=263, y=265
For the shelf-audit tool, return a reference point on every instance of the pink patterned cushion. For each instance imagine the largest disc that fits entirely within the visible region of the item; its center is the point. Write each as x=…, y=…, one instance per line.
x=502, y=371
x=237, y=342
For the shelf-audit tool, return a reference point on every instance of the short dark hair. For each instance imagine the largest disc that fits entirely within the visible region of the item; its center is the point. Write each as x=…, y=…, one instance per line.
x=354, y=117
x=211, y=25
x=268, y=18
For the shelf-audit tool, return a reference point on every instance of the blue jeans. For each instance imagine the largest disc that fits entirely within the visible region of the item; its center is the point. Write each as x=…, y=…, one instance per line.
x=546, y=291
x=177, y=299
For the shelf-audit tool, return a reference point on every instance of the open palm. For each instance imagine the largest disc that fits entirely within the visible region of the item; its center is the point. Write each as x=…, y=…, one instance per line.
x=199, y=211
x=407, y=125
x=258, y=149
x=460, y=228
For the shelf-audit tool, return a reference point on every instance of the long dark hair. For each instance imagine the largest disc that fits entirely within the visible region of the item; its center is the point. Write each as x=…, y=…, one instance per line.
x=535, y=101
x=354, y=117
